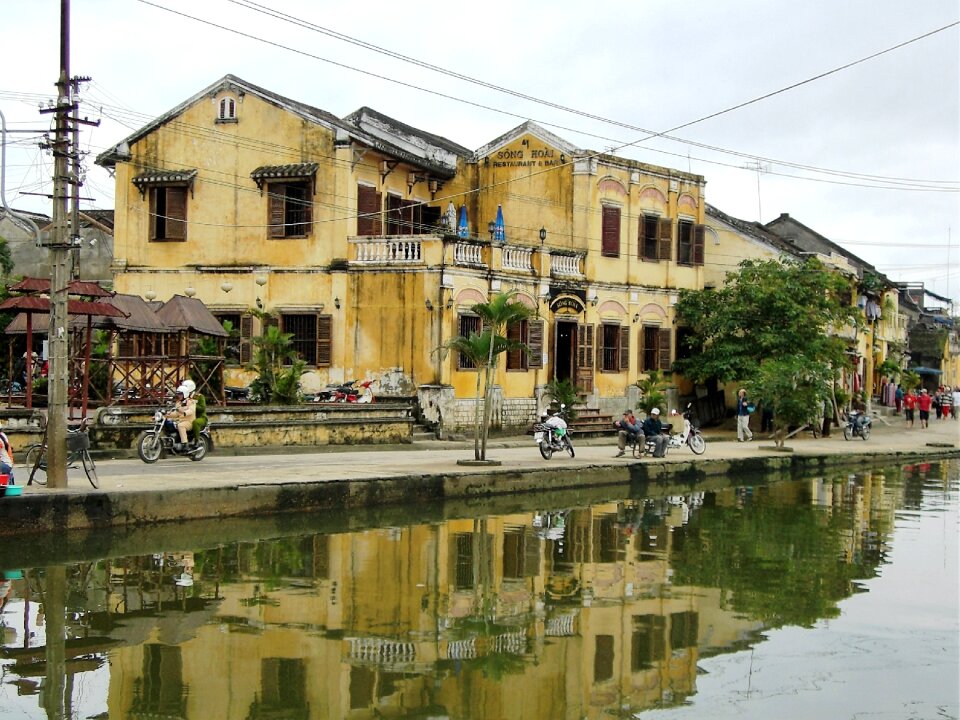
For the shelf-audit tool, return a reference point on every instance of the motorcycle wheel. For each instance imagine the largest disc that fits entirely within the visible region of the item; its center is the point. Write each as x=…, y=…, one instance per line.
x=568, y=446
x=202, y=449
x=149, y=447
x=546, y=450
x=847, y=432
x=865, y=432
x=697, y=443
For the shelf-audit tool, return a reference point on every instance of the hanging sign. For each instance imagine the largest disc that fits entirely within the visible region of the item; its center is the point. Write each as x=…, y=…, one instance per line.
x=567, y=303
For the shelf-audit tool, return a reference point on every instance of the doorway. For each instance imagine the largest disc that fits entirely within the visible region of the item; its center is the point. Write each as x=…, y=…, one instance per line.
x=565, y=351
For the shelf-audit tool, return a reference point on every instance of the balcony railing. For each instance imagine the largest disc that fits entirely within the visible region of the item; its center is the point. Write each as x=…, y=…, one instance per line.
x=391, y=251
x=517, y=258
x=468, y=254
x=567, y=265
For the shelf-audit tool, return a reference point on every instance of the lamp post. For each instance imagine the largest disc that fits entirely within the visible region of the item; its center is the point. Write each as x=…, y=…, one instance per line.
x=491, y=228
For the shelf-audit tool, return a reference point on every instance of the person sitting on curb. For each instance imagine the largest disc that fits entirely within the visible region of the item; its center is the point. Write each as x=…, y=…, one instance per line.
x=628, y=431
x=653, y=431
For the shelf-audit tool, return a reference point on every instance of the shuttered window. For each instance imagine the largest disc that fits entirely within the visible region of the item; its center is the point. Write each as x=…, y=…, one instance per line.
x=650, y=348
x=168, y=213
x=231, y=349
x=685, y=243
x=610, y=232
x=517, y=333
x=613, y=353
x=290, y=208
x=663, y=351
x=368, y=211
x=649, y=240
x=469, y=325
x=699, y=235
x=312, y=336
x=530, y=333
x=404, y=217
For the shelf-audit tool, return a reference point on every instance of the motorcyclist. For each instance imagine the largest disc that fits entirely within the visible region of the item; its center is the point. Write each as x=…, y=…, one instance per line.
x=553, y=421
x=183, y=414
x=653, y=432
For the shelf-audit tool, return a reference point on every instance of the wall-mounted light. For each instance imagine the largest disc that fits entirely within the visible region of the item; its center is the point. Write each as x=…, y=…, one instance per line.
x=450, y=303
x=336, y=303
x=636, y=318
x=429, y=305
x=594, y=300
x=226, y=286
x=543, y=235
x=150, y=295
x=190, y=292
x=491, y=228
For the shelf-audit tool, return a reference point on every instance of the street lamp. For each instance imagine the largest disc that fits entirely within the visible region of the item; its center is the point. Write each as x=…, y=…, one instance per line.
x=491, y=228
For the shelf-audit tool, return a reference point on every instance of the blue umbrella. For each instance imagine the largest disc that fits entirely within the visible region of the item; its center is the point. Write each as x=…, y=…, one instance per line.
x=462, y=229
x=499, y=232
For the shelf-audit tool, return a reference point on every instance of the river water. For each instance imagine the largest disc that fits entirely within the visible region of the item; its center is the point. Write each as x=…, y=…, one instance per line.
x=771, y=597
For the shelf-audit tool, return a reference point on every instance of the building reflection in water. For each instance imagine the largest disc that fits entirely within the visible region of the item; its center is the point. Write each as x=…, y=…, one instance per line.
x=559, y=612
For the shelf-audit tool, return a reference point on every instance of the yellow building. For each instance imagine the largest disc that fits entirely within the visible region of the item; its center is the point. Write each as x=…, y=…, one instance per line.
x=347, y=233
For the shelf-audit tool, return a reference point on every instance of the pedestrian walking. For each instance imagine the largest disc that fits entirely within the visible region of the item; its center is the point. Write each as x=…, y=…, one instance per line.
x=744, y=408
x=955, y=408
x=937, y=407
x=924, y=403
x=909, y=403
x=898, y=398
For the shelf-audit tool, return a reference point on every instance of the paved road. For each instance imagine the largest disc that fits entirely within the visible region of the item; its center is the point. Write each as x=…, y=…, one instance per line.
x=517, y=453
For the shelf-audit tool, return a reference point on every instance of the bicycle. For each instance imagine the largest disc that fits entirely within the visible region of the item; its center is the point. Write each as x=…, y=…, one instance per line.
x=78, y=448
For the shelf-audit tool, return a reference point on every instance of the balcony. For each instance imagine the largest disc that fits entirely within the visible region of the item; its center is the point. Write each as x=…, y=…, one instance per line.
x=468, y=254
x=517, y=258
x=567, y=265
x=388, y=250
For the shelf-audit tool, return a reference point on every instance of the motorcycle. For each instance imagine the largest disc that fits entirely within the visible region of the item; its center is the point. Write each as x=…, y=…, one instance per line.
x=350, y=394
x=858, y=425
x=690, y=435
x=163, y=439
x=551, y=436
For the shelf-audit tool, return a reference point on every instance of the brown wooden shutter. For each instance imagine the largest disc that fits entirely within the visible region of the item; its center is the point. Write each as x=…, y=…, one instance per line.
x=699, y=235
x=610, y=232
x=308, y=208
x=514, y=356
x=535, y=343
x=666, y=239
x=176, y=213
x=324, y=340
x=584, y=371
x=152, y=209
x=246, y=338
x=624, y=348
x=275, y=209
x=663, y=351
x=368, y=211
x=601, y=338
x=271, y=321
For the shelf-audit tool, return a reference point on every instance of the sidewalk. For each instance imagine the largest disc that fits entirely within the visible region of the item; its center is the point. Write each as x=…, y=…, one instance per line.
x=295, y=479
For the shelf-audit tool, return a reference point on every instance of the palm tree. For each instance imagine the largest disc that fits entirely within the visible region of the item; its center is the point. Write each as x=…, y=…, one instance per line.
x=483, y=349
x=501, y=311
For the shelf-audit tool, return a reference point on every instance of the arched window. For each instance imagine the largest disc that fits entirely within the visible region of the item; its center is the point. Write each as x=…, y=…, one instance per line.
x=228, y=109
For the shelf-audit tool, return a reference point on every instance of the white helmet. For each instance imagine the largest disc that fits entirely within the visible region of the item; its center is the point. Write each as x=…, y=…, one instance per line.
x=183, y=390
x=189, y=386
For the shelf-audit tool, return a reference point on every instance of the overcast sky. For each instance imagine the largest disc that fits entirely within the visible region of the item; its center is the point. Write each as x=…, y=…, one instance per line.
x=868, y=155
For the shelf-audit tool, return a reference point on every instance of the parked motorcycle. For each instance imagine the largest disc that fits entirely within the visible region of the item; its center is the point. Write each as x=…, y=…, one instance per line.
x=350, y=394
x=163, y=437
x=858, y=425
x=551, y=434
x=690, y=435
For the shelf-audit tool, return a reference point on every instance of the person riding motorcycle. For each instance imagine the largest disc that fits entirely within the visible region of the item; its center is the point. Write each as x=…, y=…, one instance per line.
x=554, y=422
x=183, y=414
x=201, y=409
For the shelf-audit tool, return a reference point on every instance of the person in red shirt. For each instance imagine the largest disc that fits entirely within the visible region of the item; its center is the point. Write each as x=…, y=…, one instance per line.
x=909, y=403
x=924, y=402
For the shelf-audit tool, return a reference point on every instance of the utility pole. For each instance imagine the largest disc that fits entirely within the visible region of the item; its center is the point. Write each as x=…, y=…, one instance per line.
x=59, y=271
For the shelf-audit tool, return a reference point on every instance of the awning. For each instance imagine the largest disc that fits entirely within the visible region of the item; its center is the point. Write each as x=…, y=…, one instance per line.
x=926, y=371
x=293, y=171
x=164, y=178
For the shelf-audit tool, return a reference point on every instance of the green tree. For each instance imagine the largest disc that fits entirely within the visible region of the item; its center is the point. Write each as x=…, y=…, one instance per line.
x=563, y=392
x=483, y=350
x=770, y=311
x=278, y=367
x=794, y=387
x=910, y=380
x=6, y=259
